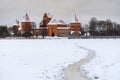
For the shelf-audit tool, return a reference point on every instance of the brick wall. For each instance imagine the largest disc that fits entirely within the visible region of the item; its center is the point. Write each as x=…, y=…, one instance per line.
x=63, y=32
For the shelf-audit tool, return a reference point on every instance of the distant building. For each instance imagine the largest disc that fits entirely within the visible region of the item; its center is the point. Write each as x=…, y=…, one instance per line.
x=16, y=25
x=75, y=27
x=15, y=29
x=50, y=26
x=46, y=20
x=58, y=28
x=26, y=24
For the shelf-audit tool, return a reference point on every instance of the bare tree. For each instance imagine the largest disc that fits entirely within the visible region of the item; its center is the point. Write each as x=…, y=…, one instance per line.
x=92, y=25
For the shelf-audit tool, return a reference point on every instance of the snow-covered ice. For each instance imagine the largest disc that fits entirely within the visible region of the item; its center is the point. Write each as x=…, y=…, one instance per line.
x=47, y=59
x=106, y=64
x=36, y=59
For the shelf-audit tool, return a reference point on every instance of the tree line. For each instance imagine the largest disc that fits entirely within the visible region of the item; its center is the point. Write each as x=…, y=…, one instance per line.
x=4, y=31
x=94, y=28
x=102, y=28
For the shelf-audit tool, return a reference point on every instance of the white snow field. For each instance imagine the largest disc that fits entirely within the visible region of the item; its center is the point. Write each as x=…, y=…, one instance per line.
x=47, y=59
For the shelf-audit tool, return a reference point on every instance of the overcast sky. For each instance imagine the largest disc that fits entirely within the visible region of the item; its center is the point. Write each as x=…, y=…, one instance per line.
x=61, y=9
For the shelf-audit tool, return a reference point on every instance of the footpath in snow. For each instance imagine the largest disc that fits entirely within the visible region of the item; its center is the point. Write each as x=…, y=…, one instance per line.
x=73, y=72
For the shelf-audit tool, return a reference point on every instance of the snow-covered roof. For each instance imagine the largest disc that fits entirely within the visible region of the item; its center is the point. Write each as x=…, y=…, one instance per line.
x=54, y=21
x=61, y=22
x=75, y=19
x=15, y=24
x=63, y=28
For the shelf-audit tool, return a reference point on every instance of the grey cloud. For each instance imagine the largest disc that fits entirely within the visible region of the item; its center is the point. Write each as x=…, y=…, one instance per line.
x=64, y=9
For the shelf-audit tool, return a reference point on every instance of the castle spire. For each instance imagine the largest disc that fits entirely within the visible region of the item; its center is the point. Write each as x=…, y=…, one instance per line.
x=26, y=18
x=75, y=19
x=17, y=22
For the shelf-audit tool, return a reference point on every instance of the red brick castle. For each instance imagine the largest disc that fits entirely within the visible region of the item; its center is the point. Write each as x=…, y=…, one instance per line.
x=50, y=26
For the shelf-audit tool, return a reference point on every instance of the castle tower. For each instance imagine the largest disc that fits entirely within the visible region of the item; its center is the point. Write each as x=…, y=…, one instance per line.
x=26, y=24
x=75, y=26
x=16, y=23
x=46, y=20
x=43, y=24
x=15, y=28
x=52, y=28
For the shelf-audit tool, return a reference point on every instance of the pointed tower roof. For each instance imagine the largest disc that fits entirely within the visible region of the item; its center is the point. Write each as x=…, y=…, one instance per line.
x=16, y=23
x=26, y=18
x=61, y=22
x=47, y=15
x=75, y=19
